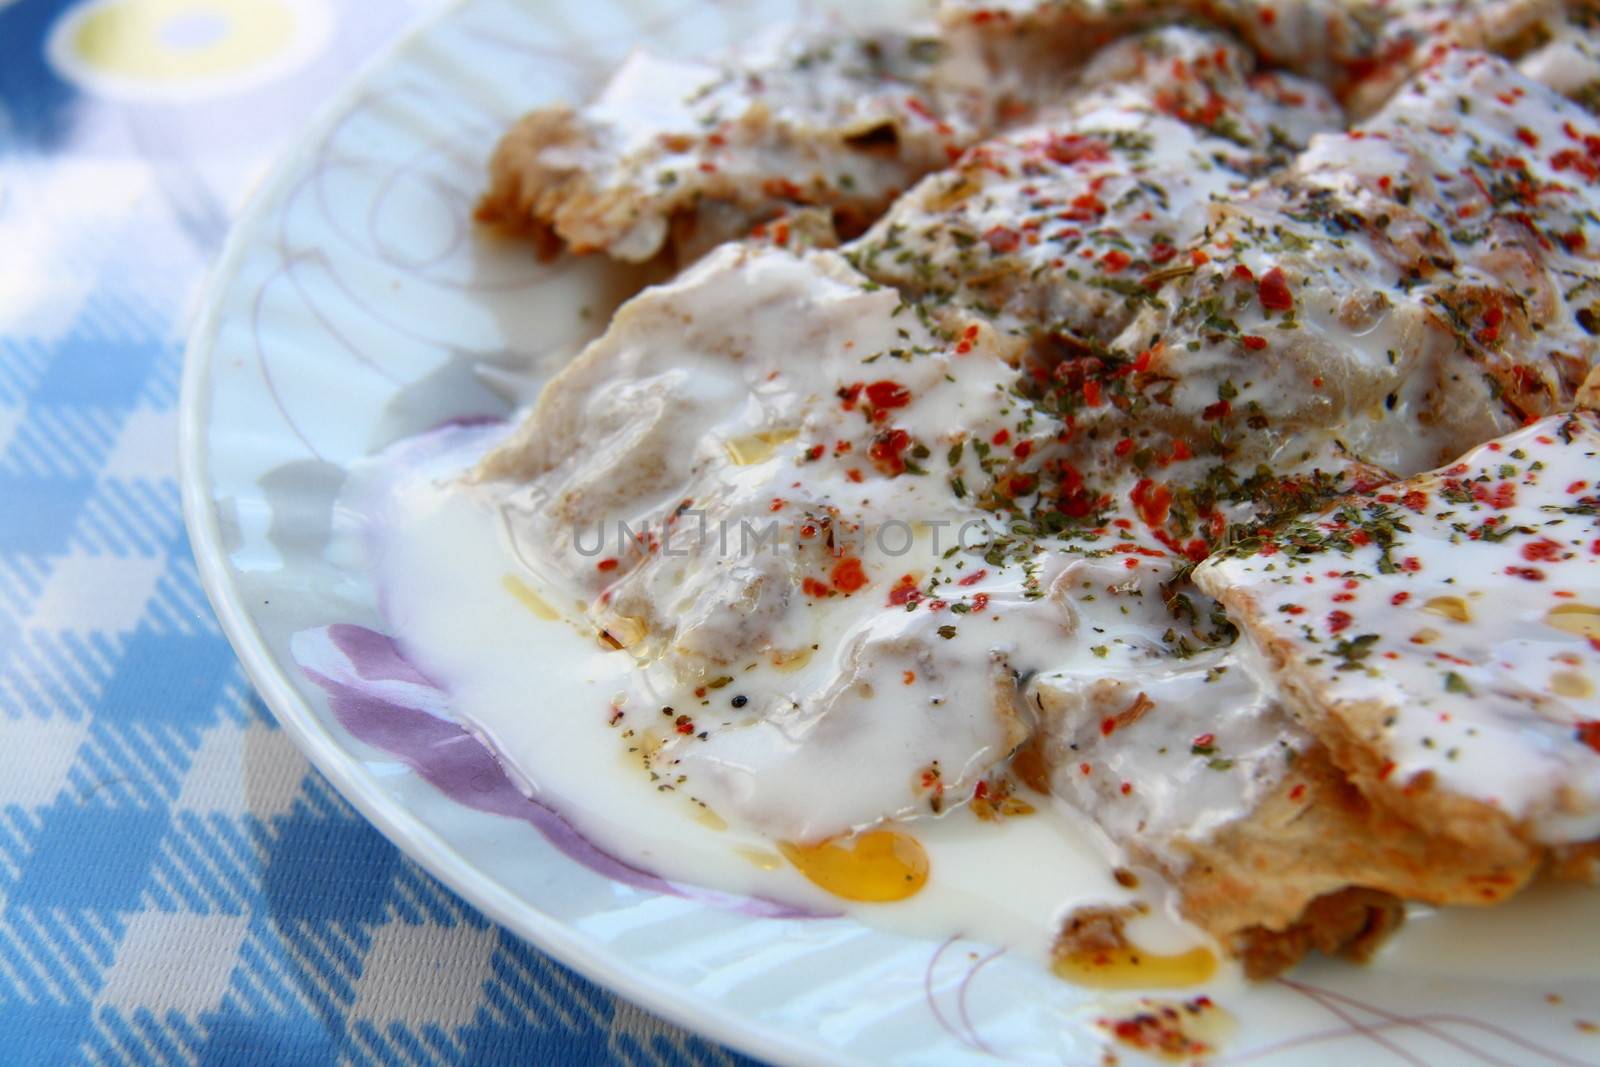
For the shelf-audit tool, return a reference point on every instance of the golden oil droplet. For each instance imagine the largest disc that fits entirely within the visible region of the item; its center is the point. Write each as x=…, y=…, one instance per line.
x=1581, y=620
x=767, y=861
x=791, y=661
x=1571, y=684
x=1425, y=636
x=530, y=599
x=874, y=867
x=1450, y=607
x=709, y=819
x=1133, y=968
x=757, y=447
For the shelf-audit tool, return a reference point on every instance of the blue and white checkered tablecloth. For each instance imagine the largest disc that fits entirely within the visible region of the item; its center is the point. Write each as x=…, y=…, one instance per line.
x=177, y=885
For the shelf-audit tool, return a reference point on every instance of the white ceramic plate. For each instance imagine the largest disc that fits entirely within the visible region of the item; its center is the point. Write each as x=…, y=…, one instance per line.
x=355, y=306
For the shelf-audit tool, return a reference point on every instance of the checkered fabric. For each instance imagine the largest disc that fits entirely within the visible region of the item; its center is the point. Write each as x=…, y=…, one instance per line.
x=176, y=884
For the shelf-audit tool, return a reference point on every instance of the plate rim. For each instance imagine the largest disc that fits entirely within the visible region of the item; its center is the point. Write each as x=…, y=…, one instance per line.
x=429, y=849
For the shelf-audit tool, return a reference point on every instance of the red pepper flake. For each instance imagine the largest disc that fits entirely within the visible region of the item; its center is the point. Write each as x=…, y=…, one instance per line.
x=1243, y=273
x=1253, y=342
x=975, y=577
x=1543, y=550
x=849, y=394
x=1215, y=411
x=1152, y=500
x=887, y=394
x=1589, y=734
x=904, y=591
x=1084, y=768
x=1001, y=436
x=1416, y=500
x=1108, y=726
x=1386, y=770
x=1501, y=497
x=606, y=565
x=886, y=449
x=1338, y=621
x=683, y=724
x=980, y=601
x=1527, y=137
x=1274, y=291
x=1091, y=393
x=847, y=575
x=1204, y=741
x=1023, y=450
x=815, y=589
x=1123, y=447
x=1127, y=787
x=854, y=474
x=1199, y=258
x=1400, y=598
x=1002, y=239
x=1528, y=574
x=776, y=505
x=910, y=677
x=1076, y=148
x=1116, y=260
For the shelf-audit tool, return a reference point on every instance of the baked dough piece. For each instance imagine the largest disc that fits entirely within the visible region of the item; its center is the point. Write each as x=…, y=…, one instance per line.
x=1441, y=637
x=1193, y=766
x=1051, y=231
x=1362, y=49
x=1404, y=291
x=687, y=154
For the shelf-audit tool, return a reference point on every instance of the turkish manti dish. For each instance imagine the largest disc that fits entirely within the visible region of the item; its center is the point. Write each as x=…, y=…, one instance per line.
x=1118, y=481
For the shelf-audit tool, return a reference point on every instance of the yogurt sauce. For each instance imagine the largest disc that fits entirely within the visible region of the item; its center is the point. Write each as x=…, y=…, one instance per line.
x=536, y=683
x=532, y=681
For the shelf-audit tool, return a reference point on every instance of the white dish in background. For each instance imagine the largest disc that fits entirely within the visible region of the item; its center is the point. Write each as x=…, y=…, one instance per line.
x=355, y=307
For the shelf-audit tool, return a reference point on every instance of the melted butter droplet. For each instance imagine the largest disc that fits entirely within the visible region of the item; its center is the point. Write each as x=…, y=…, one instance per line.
x=1581, y=620
x=710, y=819
x=766, y=861
x=1571, y=684
x=530, y=599
x=1450, y=607
x=791, y=661
x=1132, y=968
x=875, y=867
x=757, y=447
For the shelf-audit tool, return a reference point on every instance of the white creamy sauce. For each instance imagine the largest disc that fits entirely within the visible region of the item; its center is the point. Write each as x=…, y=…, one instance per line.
x=539, y=691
